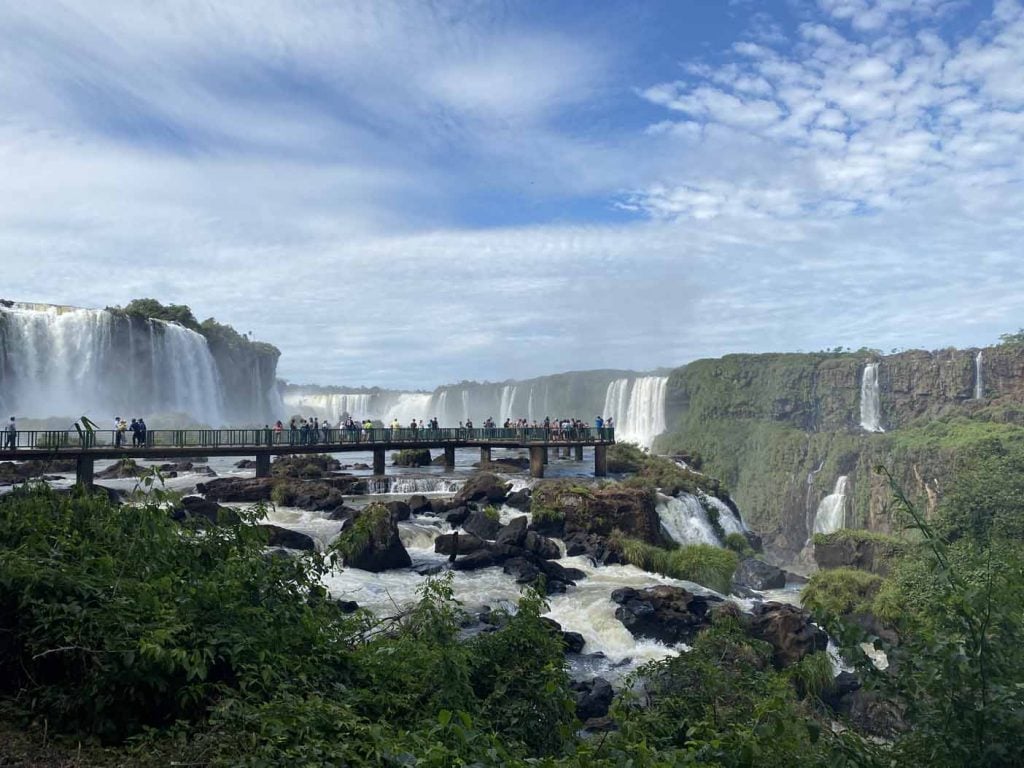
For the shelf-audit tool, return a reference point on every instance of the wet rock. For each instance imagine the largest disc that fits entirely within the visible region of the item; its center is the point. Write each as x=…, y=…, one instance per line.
x=541, y=546
x=211, y=511
x=752, y=573
x=399, y=509
x=347, y=606
x=513, y=534
x=16, y=471
x=458, y=543
x=411, y=457
x=457, y=516
x=120, y=470
x=482, y=558
x=245, y=464
x=310, y=495
x=524, y=571
x=378, y=546
x=600, y=511
x=665, y=613
x=419, y=504
x=285, y=537
x=305, y=466
x=520, y=499
x=787, y=629
x=428, y=569
x=240, y=489
x=573, y=641
x=479, y=523
x=441, y=506
x=484, y=486
x=593, y=697
x=593, y=546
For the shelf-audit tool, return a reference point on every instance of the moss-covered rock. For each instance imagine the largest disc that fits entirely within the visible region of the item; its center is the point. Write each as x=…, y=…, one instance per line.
x=860, y=549
x=372, y=542
x=411, y=457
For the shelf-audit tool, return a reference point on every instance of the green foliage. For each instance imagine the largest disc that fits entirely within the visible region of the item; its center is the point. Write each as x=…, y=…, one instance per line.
x=491, y=513
x=374, y=523
x=411, y=457
x=1012, y=338
x=813, y=674
x=841, y=592
x=626, y=457
x=700, y=563
x=738, y=543
x=151, y=308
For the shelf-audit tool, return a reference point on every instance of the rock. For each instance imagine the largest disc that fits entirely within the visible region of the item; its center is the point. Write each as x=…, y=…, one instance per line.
x=411, y=457
x=342, y=513
x=243, y=489
x=419, y=504
x=459, y=544
x=573, y=641
x=119, y=470
x=310, y=495
x=375, y=544
x=513, y=534
x=484, y=486
x=305, y=466
x=479, y=523
x=601, y=511
x=285, y=537
x=428, y=569
x=524, y=571
x=851, y=552
x=665, y=613
x=440, y=506
x=399, y=509
x=593, y=546
x=197, y=506
x=482, y=558
x=593, y=697
x=245, y=464
x=519, y=499
x=457, y=516
x=541, y=546
x=757, y=574
x=278, y=553
x=510, y=464
x=787, y=629
x=347, y=606
x=361, y=465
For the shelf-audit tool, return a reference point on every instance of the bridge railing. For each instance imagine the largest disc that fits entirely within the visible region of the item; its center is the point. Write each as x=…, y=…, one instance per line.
x=57, y=440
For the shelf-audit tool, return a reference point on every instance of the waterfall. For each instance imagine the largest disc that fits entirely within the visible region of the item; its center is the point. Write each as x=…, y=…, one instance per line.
x=831, y=514
x=66, y=362
x=508, y=398
x=870, y=400
x=727, y=519
x=685, y=520
x=409, y=406
x=332, y=406
x=638, y=408
x=979, y=382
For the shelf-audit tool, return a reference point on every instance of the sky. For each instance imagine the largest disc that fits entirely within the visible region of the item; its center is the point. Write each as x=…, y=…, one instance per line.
x=406, y=194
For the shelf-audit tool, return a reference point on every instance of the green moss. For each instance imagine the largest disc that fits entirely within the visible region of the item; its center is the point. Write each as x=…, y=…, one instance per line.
x=491, y=513
x=841, y=591
x=738, y=543
x=700, y=563
x=372, y=524
x=859, y=535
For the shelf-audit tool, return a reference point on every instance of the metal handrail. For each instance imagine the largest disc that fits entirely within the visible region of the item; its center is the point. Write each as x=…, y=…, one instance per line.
x=74, y=442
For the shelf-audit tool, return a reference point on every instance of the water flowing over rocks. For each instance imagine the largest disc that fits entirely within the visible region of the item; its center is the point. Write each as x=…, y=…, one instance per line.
x=12, y=472
x=665, y=613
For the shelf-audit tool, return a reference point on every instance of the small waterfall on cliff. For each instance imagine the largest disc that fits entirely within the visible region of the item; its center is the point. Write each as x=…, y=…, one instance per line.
x=61, y=361
x=979, y=382
x=727, y=519
x=870, y=400
x=638, y=408
x=508, y=399
x=685, y=520
x=810, y=509
x=831, y=514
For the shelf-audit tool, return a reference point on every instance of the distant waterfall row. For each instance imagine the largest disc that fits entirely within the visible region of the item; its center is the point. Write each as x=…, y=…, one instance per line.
x=636, y=404
x=60, y=362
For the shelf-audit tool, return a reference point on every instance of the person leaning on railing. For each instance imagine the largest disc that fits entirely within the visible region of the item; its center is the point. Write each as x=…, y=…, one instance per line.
x=11, y=435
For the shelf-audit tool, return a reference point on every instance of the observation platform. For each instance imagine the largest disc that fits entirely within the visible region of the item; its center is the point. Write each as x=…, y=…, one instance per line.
x=88, y=447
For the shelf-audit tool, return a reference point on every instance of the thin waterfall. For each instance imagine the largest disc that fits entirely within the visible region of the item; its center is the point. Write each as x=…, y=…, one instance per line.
x=979, y=382
x=870, y=400
x=831, y=514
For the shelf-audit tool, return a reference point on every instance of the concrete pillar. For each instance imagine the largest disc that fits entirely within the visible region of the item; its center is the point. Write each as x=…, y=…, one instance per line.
x=262, y=465
x=579, y=453
x=84, y=471
x=485, y=455
x=449, y=458
x=600, y=461
x=538, y=454
x=378, y=461
x=545, y=455
x=566, y=452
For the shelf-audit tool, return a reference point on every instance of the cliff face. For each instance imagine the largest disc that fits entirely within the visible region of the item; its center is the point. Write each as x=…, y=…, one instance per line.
x=781, y=429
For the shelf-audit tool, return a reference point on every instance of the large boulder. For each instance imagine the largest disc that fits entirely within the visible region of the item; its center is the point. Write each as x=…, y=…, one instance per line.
x=458, y=543
x=411, y=457
x=419, y=504
x=372, y=543
x=519, y=499
x=399, y=509
x=285, y=537
x=311, y=495
x=788, y=629
x=119, y=470
x=479, y=523
x=752, y=573
x=593, y=697
x=600, y=511
x=513, y=534
x=211, y=511
x=855, y=549
x=305, y=466
x=241, y=489
x=665, y=613
x=484, y=487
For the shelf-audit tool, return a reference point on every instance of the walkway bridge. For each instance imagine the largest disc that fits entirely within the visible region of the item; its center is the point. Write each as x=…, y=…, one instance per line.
x=88, y=447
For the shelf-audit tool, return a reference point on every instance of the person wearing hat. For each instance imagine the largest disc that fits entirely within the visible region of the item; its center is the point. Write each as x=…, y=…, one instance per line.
x=11, y=443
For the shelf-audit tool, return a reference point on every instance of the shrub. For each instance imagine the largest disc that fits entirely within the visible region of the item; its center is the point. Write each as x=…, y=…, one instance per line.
x=841, y=592
x=738, y=543
x=700, y=563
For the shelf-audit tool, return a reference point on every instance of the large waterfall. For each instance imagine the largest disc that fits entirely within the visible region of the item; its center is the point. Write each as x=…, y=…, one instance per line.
x=377, y=406
x=638, y=407
x=979, y=382
x=870, y=400
x=65, y=362
x=831, y=515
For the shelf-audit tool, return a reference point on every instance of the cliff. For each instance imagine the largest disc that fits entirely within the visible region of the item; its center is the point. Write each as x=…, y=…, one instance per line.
x=780, y=429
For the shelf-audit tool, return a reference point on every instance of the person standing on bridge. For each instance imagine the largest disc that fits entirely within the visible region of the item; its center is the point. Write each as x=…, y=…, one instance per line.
x=143, y=429
x=11, y=435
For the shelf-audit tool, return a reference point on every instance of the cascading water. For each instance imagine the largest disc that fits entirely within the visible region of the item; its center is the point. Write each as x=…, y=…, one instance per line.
x=727, y=519
x=685, y=521
x=979, y=383
x=66, y=362
x=870, y=400
x=638, y=408
x=831, y=514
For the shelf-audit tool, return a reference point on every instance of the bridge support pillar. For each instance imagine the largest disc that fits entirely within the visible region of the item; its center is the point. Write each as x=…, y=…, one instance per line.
x=378, y=461
x=566, y=452
x=579, y=453
x=262, y=465
x=600, y=461
x=485, y=455
x=538, y=456
x=449, y=458
x=84, y=470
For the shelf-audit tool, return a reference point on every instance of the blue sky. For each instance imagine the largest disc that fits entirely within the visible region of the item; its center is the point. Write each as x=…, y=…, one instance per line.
x=406, y=194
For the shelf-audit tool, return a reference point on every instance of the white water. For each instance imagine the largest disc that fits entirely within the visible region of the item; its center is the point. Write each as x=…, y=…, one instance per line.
x=831, y=514
x=726, y=517
x=411, y=485
x=378, y=406
x=979, y=383
x=69, y=362
x=638, y=407
x=870, y=400
x=685, y=520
